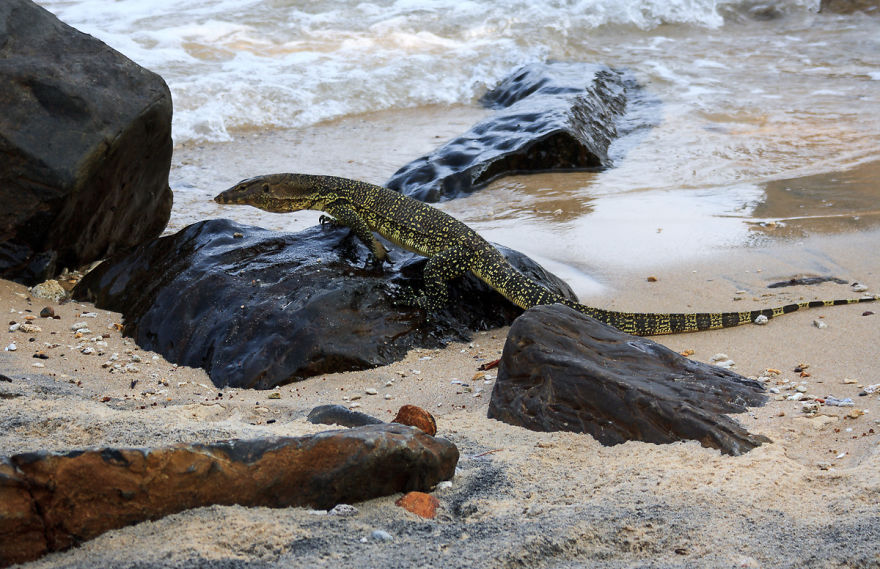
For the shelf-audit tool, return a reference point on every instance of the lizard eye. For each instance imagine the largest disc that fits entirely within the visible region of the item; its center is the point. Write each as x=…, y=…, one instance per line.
x=265, y=188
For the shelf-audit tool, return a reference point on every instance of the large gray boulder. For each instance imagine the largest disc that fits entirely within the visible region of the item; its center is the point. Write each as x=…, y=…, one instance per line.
x=85, y=147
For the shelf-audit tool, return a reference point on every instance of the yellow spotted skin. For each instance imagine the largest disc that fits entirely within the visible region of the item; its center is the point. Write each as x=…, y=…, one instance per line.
x=453, y=248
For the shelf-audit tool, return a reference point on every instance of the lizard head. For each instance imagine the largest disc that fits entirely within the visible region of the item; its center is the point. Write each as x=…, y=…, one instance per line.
x=276, y=193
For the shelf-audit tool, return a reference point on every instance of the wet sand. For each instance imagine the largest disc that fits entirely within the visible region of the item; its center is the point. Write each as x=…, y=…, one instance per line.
x=519, y=498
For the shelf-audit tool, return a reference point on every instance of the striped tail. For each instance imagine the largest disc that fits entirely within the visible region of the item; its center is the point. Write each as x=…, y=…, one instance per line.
x=647, y=324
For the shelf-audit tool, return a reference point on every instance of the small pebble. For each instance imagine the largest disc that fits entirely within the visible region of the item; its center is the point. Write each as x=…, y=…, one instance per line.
x=835, y=402
x=11, y=347
x=275, y=395
x=88, y=350
x=77, y=326
x=761, y=320
x=47, y=312
x=859, y=287
x=343, y=511
x=381, y=535
x=371, y=391
x=819, y=324
x=50, y=290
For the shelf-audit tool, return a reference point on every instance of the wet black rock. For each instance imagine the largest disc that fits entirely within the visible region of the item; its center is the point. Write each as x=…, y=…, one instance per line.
x=85, y=147
x=270, y=308
x=549, y=116
x=850, y=6
x=804, y=281
x=339, y=415
x=564, y=371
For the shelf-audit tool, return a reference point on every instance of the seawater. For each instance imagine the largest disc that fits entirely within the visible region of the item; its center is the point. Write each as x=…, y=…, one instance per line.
x=752, y=94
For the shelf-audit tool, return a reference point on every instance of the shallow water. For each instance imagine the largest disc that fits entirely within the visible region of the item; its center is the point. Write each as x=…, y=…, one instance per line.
x=769, y=130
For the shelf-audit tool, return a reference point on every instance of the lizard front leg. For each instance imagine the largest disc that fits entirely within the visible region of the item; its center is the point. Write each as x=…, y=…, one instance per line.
x=347, y=216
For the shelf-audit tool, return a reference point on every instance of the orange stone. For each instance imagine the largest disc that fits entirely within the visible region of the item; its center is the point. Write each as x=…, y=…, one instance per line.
x=420, y=504
x=416, y=417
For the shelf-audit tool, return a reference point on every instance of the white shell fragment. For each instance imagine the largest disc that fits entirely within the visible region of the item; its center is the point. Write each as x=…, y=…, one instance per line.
x=760, y=320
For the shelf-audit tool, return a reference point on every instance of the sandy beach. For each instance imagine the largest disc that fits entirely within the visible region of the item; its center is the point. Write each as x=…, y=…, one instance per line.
x=519, y=498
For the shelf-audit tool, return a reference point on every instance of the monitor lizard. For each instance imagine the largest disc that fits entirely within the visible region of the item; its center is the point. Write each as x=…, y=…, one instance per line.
x=453, y=248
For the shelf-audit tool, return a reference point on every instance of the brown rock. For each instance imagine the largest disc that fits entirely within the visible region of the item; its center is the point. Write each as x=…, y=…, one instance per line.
x=51, y=501
x=416, y=417
x=420, y=504
x=21, y=528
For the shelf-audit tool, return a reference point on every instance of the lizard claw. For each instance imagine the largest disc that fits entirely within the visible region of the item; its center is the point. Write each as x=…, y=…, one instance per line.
x=327, y=221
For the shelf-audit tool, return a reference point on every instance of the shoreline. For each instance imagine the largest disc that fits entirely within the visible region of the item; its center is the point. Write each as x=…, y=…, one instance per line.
x=518, y=497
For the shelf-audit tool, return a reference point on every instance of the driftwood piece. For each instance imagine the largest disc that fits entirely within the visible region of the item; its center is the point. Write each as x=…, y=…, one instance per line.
x=564, y=371
x=52, y=501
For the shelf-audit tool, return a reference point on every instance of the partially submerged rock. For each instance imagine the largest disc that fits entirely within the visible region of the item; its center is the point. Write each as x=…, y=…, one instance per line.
x=564, y=371
x=85, y=143
x=51, y=501
x=550, y=116
x=268, y=308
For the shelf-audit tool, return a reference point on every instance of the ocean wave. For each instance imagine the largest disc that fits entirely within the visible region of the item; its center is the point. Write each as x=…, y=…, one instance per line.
x=238, y=64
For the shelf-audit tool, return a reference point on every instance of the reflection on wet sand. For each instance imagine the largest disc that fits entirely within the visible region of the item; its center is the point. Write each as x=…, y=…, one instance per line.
x=832, y=202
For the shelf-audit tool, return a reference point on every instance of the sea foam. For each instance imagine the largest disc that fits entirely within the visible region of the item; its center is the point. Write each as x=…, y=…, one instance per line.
x=237, y=64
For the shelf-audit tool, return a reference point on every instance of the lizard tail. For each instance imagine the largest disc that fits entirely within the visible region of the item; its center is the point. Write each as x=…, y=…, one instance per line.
x=650, y=324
